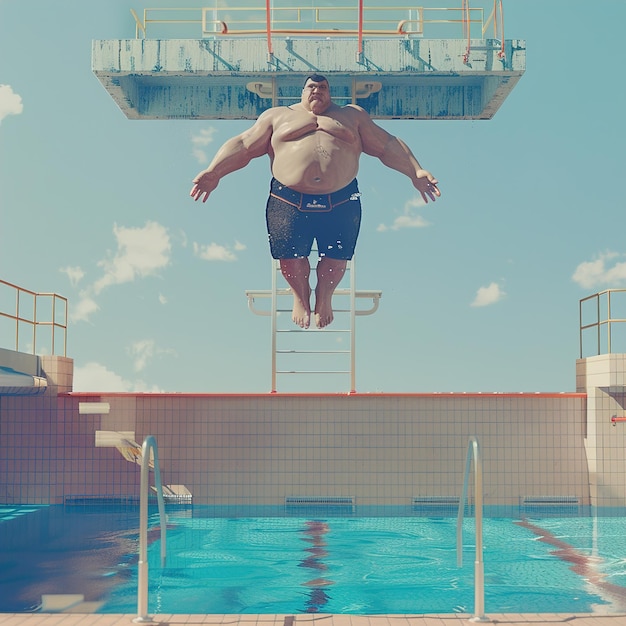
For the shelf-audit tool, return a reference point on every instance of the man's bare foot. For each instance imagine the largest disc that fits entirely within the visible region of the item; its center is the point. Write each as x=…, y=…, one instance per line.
x=329, y=275
x=296, y=272
x=323, y=314
x=301, y=314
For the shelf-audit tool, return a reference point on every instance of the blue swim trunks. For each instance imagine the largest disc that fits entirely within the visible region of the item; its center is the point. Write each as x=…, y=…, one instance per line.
x=295, y=220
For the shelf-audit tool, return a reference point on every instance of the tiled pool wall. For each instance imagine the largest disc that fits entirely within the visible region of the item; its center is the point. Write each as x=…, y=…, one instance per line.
x=380, y=450
x=258, y=449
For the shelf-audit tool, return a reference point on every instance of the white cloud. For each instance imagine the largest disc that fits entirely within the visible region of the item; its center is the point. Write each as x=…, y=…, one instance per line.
x=75, y=274
x=10, y=102
x=216, y=252
x=84, y=309
x=140, y=252
x=409, y=219
x=96, y=377
x=488, y=295
x=162, y=299
x=200, y=141
x=404, y=221
x=182, y=238
x=239, y=246
x=591, y=274
x=142, y=351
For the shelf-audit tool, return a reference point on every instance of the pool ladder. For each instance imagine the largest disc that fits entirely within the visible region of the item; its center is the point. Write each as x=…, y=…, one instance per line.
x=149, y=447
x=473, y=452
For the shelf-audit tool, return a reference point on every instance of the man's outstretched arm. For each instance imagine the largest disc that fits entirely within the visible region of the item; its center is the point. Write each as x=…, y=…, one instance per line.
x=234, y=154
x=395, y=154
x=398, y=156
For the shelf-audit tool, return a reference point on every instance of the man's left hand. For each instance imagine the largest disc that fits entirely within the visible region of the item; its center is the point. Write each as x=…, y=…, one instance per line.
x=426, y=184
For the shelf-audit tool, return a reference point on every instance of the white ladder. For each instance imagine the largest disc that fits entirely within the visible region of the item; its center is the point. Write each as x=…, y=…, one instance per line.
x=312, y=334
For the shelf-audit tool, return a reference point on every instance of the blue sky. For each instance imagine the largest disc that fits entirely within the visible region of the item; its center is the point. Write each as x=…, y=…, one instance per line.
x=480, y=289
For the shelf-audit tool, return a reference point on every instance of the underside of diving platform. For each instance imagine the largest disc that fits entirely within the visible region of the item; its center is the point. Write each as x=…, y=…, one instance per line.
x=237, y=78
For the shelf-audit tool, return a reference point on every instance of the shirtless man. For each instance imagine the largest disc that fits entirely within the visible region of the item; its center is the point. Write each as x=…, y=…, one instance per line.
x=314, y=148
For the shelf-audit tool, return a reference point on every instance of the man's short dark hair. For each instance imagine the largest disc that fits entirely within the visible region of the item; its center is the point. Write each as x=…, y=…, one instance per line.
x=316, y=78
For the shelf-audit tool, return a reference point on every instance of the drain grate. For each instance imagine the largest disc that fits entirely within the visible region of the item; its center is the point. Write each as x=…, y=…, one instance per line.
x=320, y=502
x=552, y=505
x=436, y=505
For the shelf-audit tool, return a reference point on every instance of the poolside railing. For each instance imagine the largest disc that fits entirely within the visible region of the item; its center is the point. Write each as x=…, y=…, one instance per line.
x=473, y=453
x=23, y=313
x=148, y=448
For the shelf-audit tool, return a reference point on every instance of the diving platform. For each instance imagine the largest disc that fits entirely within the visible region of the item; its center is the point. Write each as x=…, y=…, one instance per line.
x=396, y=63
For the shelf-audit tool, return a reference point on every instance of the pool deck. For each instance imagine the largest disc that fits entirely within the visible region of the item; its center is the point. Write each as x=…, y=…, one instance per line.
x=515, y=619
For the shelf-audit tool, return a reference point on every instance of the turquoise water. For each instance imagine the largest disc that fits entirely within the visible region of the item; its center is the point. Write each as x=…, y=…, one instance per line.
x=375, y=566
x=358, y=565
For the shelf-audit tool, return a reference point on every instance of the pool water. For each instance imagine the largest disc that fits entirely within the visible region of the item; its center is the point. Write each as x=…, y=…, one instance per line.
x=315, y=564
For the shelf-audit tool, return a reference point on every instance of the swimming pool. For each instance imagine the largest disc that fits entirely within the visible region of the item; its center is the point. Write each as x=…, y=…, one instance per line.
x=324, y=563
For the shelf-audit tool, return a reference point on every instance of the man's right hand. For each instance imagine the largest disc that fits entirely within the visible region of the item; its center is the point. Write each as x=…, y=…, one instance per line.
x=203, y=184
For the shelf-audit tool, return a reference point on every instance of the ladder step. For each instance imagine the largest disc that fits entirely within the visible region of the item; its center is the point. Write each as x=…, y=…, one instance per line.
x=312, y=351
x=306, y=330
x=312, y=371
x=334, y=310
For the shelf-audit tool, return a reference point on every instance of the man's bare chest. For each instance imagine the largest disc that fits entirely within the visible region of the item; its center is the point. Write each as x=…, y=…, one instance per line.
x=324, y=128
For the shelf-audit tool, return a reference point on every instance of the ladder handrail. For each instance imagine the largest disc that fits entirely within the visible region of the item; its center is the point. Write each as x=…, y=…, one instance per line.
x=353, y=288
x=149, y=445
x=274, y=312
x=253, y=294
x=473, y=452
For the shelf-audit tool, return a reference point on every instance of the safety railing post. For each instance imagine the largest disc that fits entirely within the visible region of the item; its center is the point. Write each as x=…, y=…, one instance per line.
x=473, y=452
x=149, y=446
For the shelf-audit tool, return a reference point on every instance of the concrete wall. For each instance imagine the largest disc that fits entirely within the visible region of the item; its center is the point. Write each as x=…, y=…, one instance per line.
x=604, y=378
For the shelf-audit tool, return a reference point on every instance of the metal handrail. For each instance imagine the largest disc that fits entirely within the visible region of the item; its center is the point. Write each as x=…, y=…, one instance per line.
x=254, y=294
x=599, y=323
x=473, y=452
x=21, y=318
x=377, y=21
x=149, y=446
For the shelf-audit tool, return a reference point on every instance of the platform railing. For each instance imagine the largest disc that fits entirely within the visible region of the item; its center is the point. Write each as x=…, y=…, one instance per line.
x=473, y=453
x=34, y=311
x=311, y=20
x=598, y=316
x=149, y=447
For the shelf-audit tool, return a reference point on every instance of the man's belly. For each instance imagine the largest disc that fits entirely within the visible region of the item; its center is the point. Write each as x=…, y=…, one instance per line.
x=315, y=168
